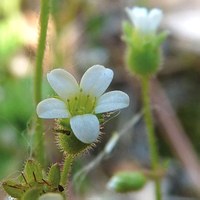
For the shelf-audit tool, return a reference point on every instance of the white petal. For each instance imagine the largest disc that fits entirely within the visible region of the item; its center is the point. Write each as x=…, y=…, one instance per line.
x=96, y=80
x=139, y=11
x=52, y=108
x=154, y=19
x=139, y=17
x=51, y=196
x=85, y=127
x=130, y=14
x=111, y=101
x=63, y=83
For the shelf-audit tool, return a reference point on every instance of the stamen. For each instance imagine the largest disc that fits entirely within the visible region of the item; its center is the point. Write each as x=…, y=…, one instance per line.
x=81, y=104
x=94, y=104
x=86, y=102
x=68, y=105
x=75, y=103
x=80, y=98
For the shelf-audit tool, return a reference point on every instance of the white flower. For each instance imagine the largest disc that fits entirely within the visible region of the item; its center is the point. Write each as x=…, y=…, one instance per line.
x=81, y=103
x=143, y=20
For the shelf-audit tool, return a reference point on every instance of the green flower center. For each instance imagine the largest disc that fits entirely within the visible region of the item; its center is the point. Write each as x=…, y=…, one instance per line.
x=81, y=103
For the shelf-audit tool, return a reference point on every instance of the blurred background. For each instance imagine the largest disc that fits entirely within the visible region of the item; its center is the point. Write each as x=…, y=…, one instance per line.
x=82, y=33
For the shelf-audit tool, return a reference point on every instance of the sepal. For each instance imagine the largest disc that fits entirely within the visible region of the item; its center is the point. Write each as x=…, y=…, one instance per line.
x=32, y=194
x=13, y=188
x=33, y=182
x=162, y=37
x=67, y=141
x=54, y=175
x=33, y=171
x=128, y=31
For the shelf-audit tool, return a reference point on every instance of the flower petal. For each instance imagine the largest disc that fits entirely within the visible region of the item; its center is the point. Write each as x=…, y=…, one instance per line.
x=138, y=16
x=52, y=108
x=111, y=101
x=96, y=80
x=63, y=83
x=154, y=19
x=85, y=127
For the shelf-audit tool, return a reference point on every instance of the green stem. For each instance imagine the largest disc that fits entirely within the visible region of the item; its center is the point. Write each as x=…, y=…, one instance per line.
x=66, y=169
x=44, y=16
x=38, y=137
x=151, y=135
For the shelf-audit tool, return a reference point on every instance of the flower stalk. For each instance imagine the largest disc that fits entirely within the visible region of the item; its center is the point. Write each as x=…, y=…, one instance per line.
x=66, y=169
x=143, y=60
x=38, y=137
x=145, y=81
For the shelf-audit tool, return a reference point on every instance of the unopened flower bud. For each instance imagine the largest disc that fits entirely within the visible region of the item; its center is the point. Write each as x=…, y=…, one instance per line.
x=143, y=54
x=127, y=181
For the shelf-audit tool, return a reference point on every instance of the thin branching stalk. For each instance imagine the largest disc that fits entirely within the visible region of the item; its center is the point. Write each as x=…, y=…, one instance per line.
x=151, y=134
x=108, y=149
x=38, y=134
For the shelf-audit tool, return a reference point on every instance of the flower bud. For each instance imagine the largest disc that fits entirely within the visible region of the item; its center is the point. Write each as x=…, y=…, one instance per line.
x=143, y=56
x=143, y=61
x=127, y=181
x=67, y=141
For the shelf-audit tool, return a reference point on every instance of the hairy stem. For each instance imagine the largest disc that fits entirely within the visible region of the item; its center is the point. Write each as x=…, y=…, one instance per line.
x=66, y=169
x=38, y=137
x=151, y=134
